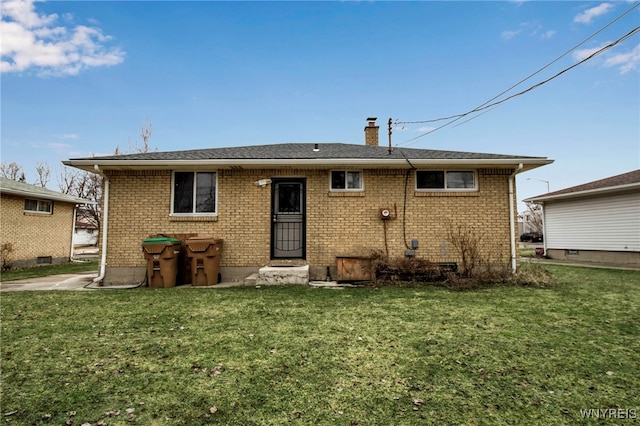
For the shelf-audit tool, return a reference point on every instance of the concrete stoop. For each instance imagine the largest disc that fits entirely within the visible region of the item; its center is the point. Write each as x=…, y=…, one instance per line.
x=281, y=275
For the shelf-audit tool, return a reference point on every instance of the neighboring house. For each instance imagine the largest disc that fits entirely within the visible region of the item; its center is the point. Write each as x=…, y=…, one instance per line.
x=595, y=222
x=530, y=221
x=85, y=234
x=306, y=202
x=37, y=223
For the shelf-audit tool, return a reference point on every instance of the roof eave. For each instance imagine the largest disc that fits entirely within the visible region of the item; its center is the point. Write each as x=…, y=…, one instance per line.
x=586, y=193
x=52, y=197
x=89, y=164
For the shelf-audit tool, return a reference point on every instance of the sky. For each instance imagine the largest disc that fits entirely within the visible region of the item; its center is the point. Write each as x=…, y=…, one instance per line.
x=81, y=78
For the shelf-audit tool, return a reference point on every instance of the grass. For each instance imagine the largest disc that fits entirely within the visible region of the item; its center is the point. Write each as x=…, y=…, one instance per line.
x=275, y=355
x=43, y=271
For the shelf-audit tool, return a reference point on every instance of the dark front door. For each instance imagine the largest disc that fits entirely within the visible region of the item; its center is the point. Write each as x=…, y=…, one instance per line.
x=288, y=218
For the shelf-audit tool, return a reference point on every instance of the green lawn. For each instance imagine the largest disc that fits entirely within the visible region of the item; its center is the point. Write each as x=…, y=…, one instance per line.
x=45, y=270
x=276, y=355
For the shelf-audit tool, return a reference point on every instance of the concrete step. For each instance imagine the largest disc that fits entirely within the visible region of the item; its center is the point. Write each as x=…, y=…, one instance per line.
x=251, y=279
x=280, y=275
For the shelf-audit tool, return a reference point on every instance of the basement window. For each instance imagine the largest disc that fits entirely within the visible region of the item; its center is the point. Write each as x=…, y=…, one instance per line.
x=38, y=206
x=346, y=180
x=194, y=194
x=446, y=180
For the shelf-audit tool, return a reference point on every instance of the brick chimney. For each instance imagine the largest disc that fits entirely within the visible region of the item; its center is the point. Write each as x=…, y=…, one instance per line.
x=371, y=132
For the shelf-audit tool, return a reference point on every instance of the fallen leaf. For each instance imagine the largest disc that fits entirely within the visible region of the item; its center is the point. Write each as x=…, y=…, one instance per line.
x=11, y=413
x=213, y=409
x=131, y=410
x=610, y=373
x=273, y=351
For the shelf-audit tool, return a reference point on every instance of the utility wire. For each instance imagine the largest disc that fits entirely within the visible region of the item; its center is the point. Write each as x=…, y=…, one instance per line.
x=482, y=106
x=535, y=86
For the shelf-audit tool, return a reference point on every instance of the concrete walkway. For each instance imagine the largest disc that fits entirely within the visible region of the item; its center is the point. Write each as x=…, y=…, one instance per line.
x=51, y=282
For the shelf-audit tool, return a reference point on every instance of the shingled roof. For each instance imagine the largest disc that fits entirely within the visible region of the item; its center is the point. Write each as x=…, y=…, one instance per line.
x=624, y=181
x=8, y=186
x=303, y=155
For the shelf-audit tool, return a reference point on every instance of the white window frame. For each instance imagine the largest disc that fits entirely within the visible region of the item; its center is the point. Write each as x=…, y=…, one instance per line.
x=195, y=183
x=446, y=189
x=346, y=171
x=38, y=204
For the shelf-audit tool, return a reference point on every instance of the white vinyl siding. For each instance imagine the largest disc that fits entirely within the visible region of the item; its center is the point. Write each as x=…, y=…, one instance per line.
x=610, y=223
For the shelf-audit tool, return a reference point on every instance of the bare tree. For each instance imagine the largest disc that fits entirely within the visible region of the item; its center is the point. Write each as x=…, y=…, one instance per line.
x=89, y=185
x=12, y=171
x=533, y=218
x=42, y=169
x=137, y=146
x=84, y=185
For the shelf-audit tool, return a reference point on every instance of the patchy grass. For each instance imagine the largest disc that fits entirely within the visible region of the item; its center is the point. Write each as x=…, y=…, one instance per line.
x=527, y=252
x=274, y=355
x=45, y=270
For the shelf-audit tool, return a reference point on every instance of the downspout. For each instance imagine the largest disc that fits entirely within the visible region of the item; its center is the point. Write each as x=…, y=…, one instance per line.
x=544, y=229
x=105, y=221
x=73, y=230
x=512, y=225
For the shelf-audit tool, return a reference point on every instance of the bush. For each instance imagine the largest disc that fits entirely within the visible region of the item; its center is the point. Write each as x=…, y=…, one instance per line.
x=533, y=275
x=5, y=256
x=405, y=270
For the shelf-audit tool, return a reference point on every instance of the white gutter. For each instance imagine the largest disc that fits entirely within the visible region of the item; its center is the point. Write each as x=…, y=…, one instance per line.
x=73, y=230
x=105, y=220
x=512, y=225
x=544, y=229
x=301, y=162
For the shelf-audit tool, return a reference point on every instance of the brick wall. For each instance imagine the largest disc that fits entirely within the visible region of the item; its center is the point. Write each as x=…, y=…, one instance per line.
x=36, y=235
x=337, y=223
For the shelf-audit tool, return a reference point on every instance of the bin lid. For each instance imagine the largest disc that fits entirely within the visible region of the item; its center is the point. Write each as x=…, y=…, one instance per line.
x=211, y=240
x=162, y=240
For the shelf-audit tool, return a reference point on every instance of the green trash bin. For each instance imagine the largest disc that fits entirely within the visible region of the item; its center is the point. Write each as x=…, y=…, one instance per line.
x=162, y=255
x=204, y=256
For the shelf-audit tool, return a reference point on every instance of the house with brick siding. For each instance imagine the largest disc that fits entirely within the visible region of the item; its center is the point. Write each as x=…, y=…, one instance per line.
x=309, y=203
x=36, y=223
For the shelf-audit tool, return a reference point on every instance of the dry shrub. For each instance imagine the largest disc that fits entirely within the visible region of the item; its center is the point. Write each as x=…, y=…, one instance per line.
x=5, y=256
x=533, y=275
x=402, y=270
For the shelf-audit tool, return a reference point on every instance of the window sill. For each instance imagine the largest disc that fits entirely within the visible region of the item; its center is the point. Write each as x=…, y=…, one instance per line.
x=346, y=193
x=193, y=218
x=446, y=194
x=30, y=213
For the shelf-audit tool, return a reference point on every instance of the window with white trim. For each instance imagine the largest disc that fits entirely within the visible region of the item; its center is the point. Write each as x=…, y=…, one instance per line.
x=194, y=193
x=38, y=206
x=446, y=180
x=346, y=180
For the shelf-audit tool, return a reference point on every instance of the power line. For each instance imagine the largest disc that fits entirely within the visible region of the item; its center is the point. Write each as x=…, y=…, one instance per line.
x=488, y=103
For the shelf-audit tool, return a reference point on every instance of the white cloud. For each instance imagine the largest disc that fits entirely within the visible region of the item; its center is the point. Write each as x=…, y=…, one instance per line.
x=425, y=129
x=582, y=54
x=33, y=41
x=588, y=15
x=547, y=35
x=509, y=34
x=626, y=61
x=55, y=145
x=68, y=136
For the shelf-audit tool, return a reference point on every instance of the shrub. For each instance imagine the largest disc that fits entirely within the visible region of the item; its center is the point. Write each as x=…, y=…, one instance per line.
x=5, y=256
x=405, y=270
